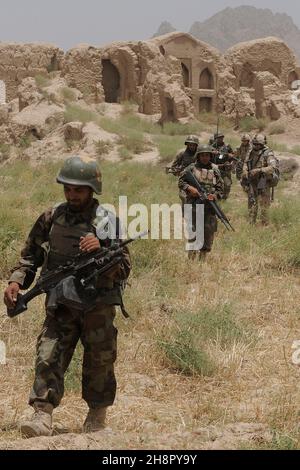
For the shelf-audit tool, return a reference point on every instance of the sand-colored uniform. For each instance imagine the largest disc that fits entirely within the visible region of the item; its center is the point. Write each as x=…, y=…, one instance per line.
x=54, y=240
x=259, y=186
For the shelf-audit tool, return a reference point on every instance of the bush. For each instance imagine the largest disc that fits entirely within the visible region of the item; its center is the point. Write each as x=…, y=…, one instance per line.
x=134, y=141
x=42, y=81
x=168, y=147
x=186, y=349
x=277, y=128
x=68, y=94
x=103, y=147
x=250, y=123
x=77, y=113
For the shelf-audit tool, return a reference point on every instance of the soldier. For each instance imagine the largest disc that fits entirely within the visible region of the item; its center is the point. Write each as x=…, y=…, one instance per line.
x=260, y=174
x=242, y=154
x=186, y=157
x=208, y=174
x=58, y=235
x=223, y=158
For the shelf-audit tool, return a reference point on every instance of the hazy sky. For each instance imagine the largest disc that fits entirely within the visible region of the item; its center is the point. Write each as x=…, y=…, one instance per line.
x=70, y=22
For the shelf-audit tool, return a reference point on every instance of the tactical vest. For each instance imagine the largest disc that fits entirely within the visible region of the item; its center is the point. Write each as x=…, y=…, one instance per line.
x=64, y=236
x=205, y=176
x=63, y=245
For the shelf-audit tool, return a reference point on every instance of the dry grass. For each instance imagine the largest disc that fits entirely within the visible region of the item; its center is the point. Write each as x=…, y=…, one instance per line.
x=240, y=307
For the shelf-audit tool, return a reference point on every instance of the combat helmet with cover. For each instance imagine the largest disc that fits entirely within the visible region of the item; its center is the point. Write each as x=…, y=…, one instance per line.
x=204, y=149
x=81, y=171
x=191, y=139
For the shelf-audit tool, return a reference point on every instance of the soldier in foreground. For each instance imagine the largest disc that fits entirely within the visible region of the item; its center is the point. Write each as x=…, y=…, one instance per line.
x=186, y=157
x=242, y=153
x=58, y=235
x=208, y=174
x=260, y=174
x=223, y=157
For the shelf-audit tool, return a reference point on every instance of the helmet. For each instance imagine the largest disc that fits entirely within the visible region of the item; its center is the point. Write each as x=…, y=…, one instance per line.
x=246, y=137
x=259, y=139
x=218, y=134
x=81, y=171
x=204, y=149
x=191, y=139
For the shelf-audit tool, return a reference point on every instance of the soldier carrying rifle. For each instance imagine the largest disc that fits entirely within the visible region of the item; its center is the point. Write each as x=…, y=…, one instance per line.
x=60, y=235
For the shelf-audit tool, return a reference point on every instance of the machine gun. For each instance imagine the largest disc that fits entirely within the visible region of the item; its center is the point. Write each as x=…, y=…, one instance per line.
x=79, y=276
x=190, y=179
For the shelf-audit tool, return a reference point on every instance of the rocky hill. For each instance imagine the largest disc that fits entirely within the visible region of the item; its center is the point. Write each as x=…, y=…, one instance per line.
x=233, y=25
x=164, y=28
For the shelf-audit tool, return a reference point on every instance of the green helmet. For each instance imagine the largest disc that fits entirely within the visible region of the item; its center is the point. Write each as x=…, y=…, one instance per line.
x=204, y=149
x=191, y=139
x=81, y=171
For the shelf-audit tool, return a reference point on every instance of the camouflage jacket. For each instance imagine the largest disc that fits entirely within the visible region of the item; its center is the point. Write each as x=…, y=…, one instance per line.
x=209, y=176
x=266, y=161
x=182, y=160
x=242, y=153
x=42, y=249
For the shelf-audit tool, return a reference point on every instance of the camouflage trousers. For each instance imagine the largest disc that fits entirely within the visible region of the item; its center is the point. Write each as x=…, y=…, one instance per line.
x=227, y=184
x=56, y=343
x=210, y=228
x=259, y=199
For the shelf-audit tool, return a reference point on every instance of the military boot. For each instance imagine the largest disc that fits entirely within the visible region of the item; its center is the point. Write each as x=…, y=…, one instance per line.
x=95, y=420
x=40, y=423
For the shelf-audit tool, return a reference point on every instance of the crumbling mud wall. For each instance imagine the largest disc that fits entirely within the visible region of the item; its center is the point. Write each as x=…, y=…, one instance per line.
x=174, y=75
x=18, y=61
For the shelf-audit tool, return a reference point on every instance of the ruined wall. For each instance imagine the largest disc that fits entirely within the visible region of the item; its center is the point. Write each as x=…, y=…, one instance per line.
x=262, y=71
x=200, y=67
x=82, y=69
x=18, y=61
x=175, y=75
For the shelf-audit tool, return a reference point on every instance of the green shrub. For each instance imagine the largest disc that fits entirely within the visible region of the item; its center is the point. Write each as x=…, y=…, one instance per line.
x=75, y=112
x=276, y=128
x=42, y=81
x=68, y=94
x=168, y=147
x=103, y=147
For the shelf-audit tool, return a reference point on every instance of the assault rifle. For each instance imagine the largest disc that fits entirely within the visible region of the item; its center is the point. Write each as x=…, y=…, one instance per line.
x=190, y=179
x=82, y=271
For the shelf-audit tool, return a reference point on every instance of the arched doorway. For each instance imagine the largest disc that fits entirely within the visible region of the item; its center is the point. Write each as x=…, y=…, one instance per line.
x=185, y=75
x=247, y=77
x=293, y=77
x=205, y=104
x=110, y=82
x=2, y=92
x=206, y=81
x=170, y=113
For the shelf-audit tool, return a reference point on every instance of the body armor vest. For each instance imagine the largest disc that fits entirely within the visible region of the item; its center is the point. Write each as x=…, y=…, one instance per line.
x=64, y=236
x=205, y=176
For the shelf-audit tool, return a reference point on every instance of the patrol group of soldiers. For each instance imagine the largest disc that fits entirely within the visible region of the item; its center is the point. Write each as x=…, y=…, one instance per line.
x=254, y=164
x=70, y=229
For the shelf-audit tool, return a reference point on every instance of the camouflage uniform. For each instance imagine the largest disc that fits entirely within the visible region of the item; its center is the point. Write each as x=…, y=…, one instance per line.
x=259, y=186
x=223, y=161
x=210, y=177
x=182, y=161
x=242, y=154
x=54, y=240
